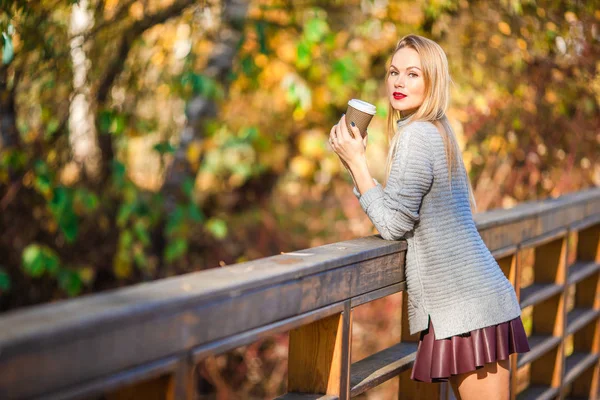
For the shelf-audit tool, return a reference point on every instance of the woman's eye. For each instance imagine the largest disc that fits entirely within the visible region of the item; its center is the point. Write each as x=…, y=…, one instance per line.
x=412, y=73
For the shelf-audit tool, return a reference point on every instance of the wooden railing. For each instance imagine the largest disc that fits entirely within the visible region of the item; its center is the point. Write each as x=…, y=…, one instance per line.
x=144, y=341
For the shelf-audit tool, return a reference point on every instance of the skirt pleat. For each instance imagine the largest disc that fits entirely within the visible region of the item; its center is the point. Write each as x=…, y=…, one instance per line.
x=437, y=360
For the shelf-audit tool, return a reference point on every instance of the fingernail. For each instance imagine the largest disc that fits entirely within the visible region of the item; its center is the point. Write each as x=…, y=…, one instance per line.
x=352, y=123
x=343, y=114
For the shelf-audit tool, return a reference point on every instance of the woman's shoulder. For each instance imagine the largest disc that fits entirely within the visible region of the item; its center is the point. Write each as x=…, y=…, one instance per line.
x=422, y=127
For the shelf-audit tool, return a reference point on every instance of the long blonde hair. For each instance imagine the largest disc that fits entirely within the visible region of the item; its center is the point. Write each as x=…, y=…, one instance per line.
x=435, y=104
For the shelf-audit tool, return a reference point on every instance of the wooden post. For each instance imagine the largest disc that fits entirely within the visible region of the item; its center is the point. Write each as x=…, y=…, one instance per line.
x=510, y=268
x=409, y=389
x=319, y=356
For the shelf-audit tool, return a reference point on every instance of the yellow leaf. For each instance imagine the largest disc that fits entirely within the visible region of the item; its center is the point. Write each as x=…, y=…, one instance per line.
x=194, y=151
x=550, y=96
x=206, y=181
x=495, y=41
x=302, y=166
x=136, y=10
x=122, y=266
x=311, y=143
x=504, y=28
x=87, y=274
x=570, y=17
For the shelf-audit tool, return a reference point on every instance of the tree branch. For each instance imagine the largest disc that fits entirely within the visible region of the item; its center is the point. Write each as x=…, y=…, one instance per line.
x=129, y=36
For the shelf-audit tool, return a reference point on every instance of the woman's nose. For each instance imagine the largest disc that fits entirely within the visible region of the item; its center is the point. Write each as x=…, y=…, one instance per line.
x=399, y=82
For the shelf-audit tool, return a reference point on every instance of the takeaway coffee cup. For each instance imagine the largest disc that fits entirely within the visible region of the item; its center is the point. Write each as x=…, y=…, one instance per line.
x=361, y=113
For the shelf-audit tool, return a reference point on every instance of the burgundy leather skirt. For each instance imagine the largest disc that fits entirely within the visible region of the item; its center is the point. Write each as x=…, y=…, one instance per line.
x=437, y=360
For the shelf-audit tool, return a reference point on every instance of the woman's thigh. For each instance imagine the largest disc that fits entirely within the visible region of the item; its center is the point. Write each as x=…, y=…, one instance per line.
x=492, y=382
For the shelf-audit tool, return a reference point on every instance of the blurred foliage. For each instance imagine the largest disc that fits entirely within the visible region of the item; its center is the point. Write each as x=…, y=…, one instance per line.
x=203, y=163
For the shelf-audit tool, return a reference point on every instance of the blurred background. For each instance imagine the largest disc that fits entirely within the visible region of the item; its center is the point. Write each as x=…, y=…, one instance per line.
x=149, y=138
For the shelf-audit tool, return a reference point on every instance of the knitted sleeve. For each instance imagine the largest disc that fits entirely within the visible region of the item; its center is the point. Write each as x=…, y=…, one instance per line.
x=395, y=209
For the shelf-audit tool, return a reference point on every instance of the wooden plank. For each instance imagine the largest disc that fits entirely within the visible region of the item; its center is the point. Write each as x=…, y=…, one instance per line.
x=381, y=366
x=315, y=356
x=503, y=228
x=539, y=345
x=538, y=292
x=530, y=209
x=115, y=381
x=586, y=222
x=346, y=360
x=577, y=363
x=245, y=338
x=378, y=294
x=306, y=396
x=581, y=270
x=155, y=389
x=577, y=318
x=538, y=392
x=165, y=295
x=142, y=337
x=546, y=238
x=505, y=251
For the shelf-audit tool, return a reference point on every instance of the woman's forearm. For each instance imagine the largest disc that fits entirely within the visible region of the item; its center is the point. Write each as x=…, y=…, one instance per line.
x=361, y=175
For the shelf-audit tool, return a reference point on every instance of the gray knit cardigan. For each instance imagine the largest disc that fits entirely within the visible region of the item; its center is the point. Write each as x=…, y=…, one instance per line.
x=451, y=275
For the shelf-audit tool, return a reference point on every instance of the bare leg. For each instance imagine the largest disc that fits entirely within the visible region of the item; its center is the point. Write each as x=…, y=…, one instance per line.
x=492, y=382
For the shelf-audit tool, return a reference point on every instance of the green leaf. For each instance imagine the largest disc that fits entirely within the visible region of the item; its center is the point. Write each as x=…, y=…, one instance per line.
x=315, y=29
x=37, y=259
x=303, y=55
x=7, y=49
x=105, y=119
x=175, y=249
x=70, y=282
x=87, y=199
x=195, y=213
x=33, y=260
x=126, y=239
x=164, y=147
x=175, y=220
x=188, y=187
x=262, y=36
x=217, y=227
x=140, y=259
x=4, y=280
x=142, y=233
x=125, y=211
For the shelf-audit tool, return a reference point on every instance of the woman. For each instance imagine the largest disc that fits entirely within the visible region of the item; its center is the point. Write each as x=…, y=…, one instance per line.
x=453, y=282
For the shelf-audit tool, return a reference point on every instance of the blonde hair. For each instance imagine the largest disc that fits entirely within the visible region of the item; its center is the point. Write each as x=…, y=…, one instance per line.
x=435, y=104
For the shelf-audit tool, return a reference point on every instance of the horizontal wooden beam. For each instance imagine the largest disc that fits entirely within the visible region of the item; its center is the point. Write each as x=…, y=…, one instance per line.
x=75, y=351
x=501, y=229
x=381, y=366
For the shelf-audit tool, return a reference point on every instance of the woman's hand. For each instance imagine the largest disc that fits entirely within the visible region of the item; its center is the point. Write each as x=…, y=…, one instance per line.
x=349, y=148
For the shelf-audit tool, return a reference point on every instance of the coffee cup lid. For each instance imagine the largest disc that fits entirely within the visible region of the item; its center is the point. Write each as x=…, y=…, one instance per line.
x=363, y=106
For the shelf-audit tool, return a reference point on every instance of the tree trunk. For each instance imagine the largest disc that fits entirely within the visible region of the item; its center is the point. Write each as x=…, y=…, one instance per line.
x=82, y=128
x=200, y=108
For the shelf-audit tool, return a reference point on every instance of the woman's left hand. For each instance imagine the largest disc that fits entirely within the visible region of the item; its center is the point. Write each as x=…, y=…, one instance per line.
x=348, y=148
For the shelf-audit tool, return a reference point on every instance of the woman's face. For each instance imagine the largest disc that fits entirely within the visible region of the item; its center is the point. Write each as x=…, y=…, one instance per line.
x=405, y=85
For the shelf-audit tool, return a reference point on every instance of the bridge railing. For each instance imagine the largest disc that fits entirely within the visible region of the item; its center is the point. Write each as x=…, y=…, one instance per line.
x=145, y=341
